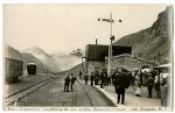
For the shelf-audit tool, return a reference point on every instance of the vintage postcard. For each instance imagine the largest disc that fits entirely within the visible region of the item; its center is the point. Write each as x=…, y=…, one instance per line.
x=88, y=57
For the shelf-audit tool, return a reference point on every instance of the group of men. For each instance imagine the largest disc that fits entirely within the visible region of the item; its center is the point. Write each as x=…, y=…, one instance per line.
x=99, y=78
x=69, y=82
x=120, y=79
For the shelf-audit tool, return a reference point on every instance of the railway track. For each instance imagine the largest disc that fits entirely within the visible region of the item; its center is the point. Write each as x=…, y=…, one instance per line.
x=14, y=98
x=74, y=102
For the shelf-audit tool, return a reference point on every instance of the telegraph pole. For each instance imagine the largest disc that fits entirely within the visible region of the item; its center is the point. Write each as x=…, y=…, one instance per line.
x=112, y=38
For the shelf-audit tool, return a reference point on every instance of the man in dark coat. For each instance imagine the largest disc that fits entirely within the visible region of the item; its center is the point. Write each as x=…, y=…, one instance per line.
x=66, y=84
x=80, y=74
x=96, y=77
x=92, y=78
x=86, y=79
x=121, y=85
x=72, y=80
x=150, y=83
x=114, y=77
x=102, y=78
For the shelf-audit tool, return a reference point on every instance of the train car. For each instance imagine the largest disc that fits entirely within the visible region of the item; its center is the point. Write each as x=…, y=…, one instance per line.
x=13, y=69
x=31, y=68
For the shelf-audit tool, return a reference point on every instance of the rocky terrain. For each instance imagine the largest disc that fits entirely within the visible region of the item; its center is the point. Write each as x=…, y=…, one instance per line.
x=154, y=41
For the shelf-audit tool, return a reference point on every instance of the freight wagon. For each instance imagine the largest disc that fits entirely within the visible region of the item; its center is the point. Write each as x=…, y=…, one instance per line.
x=13, y=69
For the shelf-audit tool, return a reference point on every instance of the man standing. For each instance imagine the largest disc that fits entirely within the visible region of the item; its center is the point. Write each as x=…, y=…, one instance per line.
x=86, y=79
x=66, y=84
x=92, y=78
x=150, y=84
x=121, y=85
x=102, y=78
x=80, y=74
x=72, y=80
x=96, y=77
x=157, y=85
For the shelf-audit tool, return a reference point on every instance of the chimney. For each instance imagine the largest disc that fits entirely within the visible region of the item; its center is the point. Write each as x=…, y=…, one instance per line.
x=96, y=41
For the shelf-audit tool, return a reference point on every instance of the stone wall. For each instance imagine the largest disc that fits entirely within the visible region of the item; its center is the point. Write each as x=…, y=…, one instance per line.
x=92, y=65
x=127, y=62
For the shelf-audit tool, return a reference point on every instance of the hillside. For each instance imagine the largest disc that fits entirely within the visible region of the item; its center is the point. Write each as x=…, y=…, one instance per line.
x=29, y=58
x=76, y=69
x=56, y=61
x=11, y=52
x=151, y=42
x=46, y=59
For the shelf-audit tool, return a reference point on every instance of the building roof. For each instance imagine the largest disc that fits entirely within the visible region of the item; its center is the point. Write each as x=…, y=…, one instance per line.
x=165, y=65
x=99, y=52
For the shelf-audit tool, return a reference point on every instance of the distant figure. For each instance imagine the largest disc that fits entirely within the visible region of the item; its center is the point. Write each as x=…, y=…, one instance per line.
x=96, y=78
x=121, y=84
x=114, y=76
x=165, y=92
x=102, y=78
x=86, y=79
x=66, y=84
x=92, y=78
x=72, y=80
x=137, y=85
x=157, y=85
x=106, y=78
x=80, y=75
x=150, y=83
x=132, y=80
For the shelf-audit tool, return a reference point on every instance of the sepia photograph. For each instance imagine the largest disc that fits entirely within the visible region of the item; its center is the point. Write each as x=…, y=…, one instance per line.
x=88, y=57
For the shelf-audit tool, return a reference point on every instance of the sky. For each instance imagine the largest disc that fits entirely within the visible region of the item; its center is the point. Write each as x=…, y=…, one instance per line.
x=63, y=28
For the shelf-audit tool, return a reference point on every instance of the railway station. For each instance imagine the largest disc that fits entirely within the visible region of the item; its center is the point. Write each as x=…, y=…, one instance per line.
x=66, y=69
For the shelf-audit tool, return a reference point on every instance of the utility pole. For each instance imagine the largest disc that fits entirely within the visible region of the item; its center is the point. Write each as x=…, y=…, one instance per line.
x=47, y=71
x=112, y=38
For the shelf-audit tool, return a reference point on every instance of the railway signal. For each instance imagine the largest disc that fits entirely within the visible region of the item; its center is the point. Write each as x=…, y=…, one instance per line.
x=112, y=38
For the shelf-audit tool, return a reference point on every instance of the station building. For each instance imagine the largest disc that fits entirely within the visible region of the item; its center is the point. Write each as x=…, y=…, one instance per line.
x=97, y=55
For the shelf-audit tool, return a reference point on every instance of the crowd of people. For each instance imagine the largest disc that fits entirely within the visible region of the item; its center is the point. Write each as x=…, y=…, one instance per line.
x=122, y=79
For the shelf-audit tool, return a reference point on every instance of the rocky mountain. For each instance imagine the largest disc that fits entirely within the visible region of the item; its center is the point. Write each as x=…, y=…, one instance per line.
x=154, y=41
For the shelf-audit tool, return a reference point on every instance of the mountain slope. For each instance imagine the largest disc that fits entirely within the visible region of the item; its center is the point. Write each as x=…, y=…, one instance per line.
x=151, y=42
x=69, y=60
x=56, y=61
x=29, y=58
x=46, y=59
x=11, y=52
